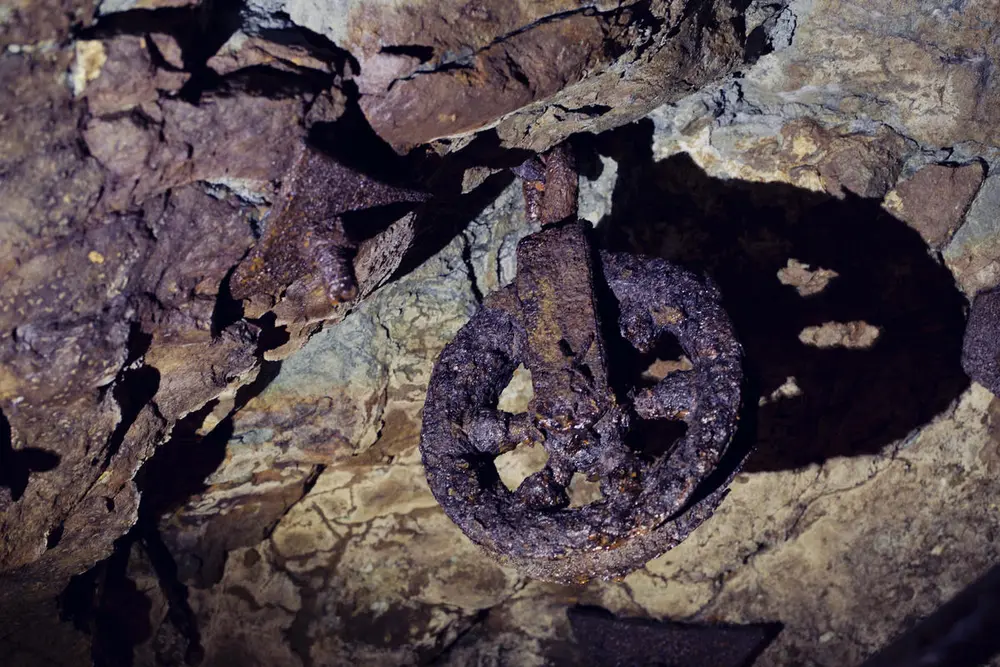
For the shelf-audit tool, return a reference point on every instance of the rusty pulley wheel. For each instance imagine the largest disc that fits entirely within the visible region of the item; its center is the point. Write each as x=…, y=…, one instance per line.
x=549, y=321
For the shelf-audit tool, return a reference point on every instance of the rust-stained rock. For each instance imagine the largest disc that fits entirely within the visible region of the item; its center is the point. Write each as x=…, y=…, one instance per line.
x=75, y=378
x=834, y=160
x=118, y=74
x=241, y=51
x=48, y=187
x=139, y=156
x=216, y=140
x=530, y=65
x=583, y=65
x=124, y=209
x=25, y=24
x=935, y=199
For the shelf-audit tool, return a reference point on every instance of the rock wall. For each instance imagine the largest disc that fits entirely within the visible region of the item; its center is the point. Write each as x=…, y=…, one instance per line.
x=245, y=476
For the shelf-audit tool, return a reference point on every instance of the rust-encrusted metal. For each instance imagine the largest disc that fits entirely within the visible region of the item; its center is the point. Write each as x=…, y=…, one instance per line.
x=549, y=320
x=305, y=231
x=981, y=347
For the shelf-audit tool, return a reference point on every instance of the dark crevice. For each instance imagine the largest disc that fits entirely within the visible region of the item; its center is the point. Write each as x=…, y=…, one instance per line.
x=76, y=602
x=352, y=142
x=271, y=337
x=179, y=613
x=178, y=468
x=264, y=81
x=517, y=72
x=176, y=471
x=55, y=535
x=591, y=110
x=227, y=310
x=652, y=439
x=477, y=293
x=758, y=44
x=419, y=51
x=106, y=604
x=174, y=21
x=299, y=633
x=771, y=34
x=133, y=390
x=137, y=344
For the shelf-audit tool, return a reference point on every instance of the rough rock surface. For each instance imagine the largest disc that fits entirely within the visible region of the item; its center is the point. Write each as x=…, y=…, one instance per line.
x=934, y=200
x=539, y=71
x=284, y=517
x=128, y=198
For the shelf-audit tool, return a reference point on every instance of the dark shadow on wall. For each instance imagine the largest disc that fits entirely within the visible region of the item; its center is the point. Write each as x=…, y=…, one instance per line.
x=841, y=401
x=17, y=465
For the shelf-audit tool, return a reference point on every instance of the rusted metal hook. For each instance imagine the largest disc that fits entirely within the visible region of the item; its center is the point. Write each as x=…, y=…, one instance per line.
x=549, y=320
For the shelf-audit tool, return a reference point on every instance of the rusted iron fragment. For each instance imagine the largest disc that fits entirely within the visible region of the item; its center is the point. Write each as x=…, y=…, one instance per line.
x=550, y=185
x=981, y=348
x=306, y=233
x=649, y=504
x=573, y=402
x=555, y=290
x=610, y=641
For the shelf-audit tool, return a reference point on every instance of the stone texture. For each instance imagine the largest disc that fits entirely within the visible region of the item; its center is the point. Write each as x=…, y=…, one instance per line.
x=120, y=224
x=26, y=24
x=845, y=551
x=804, y=279
x=320, y=413
x=139, y=158
x=242, y=50
x=576, y=66
x=836, y=159
x=935, y=199
x=974, y=252
x=851, y=335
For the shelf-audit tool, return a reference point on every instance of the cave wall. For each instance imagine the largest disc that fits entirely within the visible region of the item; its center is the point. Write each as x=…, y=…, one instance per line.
x=259, y=454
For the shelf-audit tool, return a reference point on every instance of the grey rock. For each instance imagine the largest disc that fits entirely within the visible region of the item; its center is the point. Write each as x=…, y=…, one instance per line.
x=974, y=252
